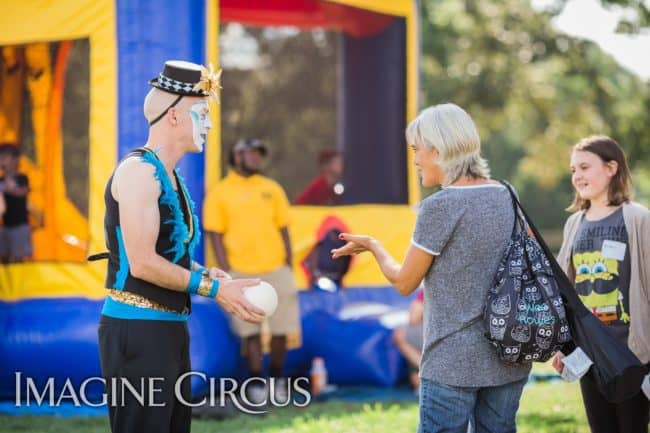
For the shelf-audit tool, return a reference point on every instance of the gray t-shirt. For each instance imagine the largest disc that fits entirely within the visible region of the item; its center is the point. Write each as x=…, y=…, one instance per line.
x=601, y=260
x=468, y=229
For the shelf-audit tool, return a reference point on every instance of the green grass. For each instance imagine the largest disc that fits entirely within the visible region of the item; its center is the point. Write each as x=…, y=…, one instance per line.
x=545, y=407
x=552, y=407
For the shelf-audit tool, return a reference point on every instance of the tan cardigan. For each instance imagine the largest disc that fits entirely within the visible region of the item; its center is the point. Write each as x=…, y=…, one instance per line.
x=637, y=224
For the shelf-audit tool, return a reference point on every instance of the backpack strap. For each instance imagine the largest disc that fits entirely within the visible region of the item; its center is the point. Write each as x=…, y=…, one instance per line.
x=565, y=285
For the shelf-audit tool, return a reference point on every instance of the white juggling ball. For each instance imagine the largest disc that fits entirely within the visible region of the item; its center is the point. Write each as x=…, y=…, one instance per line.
x=263, y=296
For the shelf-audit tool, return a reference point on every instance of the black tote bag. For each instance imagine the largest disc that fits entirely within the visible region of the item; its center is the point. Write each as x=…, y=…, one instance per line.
x=617, y=372
x=524, y=315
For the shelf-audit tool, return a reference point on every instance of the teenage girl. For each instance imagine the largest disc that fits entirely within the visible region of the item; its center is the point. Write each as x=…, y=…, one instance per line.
x=606, y=252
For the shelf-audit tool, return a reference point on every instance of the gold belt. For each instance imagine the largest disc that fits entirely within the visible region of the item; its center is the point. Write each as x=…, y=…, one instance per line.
x=137, y=301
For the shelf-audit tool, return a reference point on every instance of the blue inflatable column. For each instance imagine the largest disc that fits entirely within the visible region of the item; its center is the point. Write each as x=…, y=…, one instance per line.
x=148, y=34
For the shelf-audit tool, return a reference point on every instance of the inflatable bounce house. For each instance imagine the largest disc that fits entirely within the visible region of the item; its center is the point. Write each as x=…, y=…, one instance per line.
x=70, y=137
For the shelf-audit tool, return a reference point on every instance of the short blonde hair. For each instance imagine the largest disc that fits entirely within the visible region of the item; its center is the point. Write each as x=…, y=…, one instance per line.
x=448, y=129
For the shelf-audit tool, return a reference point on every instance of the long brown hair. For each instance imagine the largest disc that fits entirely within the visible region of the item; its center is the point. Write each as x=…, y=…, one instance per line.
x=620, y=186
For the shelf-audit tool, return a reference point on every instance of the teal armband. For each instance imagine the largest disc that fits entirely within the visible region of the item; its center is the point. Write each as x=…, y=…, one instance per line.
x=195, y=282
x=208, y=287
x=214, y=289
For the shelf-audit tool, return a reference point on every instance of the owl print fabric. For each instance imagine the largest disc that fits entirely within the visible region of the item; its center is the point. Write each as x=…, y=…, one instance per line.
x=524, y=314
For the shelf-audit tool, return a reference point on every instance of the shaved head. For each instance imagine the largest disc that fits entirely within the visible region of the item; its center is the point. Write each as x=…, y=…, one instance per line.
x=156, y=102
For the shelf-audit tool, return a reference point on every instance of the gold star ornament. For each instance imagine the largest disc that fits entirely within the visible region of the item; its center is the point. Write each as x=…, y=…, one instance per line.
x=210, y=82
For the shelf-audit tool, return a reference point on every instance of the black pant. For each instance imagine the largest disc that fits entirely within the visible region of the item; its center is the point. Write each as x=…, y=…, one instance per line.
x=150, y=355
x=631, y=416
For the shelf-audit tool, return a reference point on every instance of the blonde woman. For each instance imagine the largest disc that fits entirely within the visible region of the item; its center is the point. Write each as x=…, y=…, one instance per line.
x=459, y=238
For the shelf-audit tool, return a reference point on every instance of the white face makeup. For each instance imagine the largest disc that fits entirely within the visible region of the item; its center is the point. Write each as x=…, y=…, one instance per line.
x=201, y=124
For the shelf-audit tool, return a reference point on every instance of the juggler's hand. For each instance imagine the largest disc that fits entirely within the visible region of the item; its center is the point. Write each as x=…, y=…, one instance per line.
x=218, y=274
x=231, y=298
x=355, y=244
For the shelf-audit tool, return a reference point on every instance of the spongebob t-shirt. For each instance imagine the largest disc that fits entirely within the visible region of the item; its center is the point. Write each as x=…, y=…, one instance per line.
x=602, y=266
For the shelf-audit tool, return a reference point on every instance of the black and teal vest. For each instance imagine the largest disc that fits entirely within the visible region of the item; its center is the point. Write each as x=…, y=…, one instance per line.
x=177, y=238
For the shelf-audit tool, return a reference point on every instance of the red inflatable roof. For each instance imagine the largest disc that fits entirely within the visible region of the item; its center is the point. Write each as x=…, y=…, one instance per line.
x=304, y=14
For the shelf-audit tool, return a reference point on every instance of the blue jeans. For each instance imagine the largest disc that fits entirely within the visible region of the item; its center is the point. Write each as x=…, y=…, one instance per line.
x=450, y=409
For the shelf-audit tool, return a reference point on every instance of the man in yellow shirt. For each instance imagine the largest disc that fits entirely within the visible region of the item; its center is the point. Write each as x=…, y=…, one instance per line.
x=245, y=217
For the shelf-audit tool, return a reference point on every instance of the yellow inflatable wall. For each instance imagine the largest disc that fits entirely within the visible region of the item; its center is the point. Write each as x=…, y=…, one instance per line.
x=68, y=235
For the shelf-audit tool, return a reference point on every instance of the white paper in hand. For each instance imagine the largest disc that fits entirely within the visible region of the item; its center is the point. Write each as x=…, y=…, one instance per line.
x=645, y=386
x=576, y=365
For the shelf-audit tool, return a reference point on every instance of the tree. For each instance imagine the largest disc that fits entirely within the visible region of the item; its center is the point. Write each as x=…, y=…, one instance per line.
x=533, y=92
x=288, y=100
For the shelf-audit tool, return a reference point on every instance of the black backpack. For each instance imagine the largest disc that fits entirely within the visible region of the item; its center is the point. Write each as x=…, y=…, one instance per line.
x=524, y=313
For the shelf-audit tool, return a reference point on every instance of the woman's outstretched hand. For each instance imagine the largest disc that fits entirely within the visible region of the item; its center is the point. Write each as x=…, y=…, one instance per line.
x=355, y=244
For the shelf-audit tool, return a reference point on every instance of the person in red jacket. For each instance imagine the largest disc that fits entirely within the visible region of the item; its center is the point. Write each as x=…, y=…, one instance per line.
x=325, y=188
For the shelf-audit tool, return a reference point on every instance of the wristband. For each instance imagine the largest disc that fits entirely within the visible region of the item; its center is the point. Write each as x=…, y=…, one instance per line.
x=214, y=289
x=208, y=287
x=195, y=282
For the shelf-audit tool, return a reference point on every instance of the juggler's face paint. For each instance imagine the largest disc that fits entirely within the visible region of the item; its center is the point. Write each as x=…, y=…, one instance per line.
x=201, y=124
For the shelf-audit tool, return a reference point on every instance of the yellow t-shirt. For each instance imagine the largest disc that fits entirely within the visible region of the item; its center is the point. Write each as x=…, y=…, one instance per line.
x=249, y=212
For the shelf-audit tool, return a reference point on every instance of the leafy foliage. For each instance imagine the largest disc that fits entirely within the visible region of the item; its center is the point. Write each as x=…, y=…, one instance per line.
x=532, y=91
x=288, y=100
